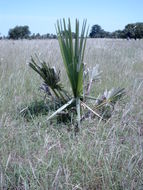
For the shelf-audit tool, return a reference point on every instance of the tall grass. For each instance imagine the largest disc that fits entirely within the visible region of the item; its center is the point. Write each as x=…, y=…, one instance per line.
x=39, y=155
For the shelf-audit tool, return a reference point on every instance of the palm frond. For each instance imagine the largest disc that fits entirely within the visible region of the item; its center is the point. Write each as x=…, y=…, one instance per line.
x=93, y=74
x=105, y=103
x=73, y=53
x=50, y=77
x=61, y=109
x=111, y=96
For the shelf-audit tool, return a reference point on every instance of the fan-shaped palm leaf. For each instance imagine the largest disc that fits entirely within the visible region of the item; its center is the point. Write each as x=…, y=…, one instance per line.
x=73, y=53
x=51, y=78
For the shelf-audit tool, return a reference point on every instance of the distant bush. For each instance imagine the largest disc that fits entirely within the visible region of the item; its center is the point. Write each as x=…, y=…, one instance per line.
x=43, y=36
x=98, y=32
x=19, y=32
x=134, y=31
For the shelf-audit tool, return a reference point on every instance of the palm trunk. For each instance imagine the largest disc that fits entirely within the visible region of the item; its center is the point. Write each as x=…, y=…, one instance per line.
x=78, y=111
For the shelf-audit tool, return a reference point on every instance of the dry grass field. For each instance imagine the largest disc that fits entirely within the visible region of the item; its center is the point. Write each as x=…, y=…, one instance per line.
x=43, y=155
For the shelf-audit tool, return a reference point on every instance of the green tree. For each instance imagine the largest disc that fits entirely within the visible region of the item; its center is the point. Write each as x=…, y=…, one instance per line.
x=117, y=34
x=139, y=30
x=98, y=32
x=129, y=31
x=19, y=32
x=133, y=30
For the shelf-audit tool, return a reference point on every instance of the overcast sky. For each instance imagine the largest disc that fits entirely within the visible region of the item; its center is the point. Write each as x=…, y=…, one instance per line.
x=41, y=15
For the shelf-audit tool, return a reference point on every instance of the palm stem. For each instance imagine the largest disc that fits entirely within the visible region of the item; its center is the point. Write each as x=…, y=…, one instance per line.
x=91, y=109
x=61, y=108
x=78, y=111
x=56, y=94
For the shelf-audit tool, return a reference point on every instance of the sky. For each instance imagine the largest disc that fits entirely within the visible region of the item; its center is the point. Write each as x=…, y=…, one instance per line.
x=41, y=15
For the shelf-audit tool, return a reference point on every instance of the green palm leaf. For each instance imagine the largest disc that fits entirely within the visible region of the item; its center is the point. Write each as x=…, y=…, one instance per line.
x=51, y=78
x=73, y=53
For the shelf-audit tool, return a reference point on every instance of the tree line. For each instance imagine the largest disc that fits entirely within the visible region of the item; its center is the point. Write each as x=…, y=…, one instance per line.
x=131, y=31
x=23, y=32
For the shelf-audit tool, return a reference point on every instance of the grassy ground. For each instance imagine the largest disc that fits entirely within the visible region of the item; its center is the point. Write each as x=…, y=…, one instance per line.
x=40, y=155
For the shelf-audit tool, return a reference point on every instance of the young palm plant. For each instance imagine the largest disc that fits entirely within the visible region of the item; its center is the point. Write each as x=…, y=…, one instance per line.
x=72, y=51
x=73, y=54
